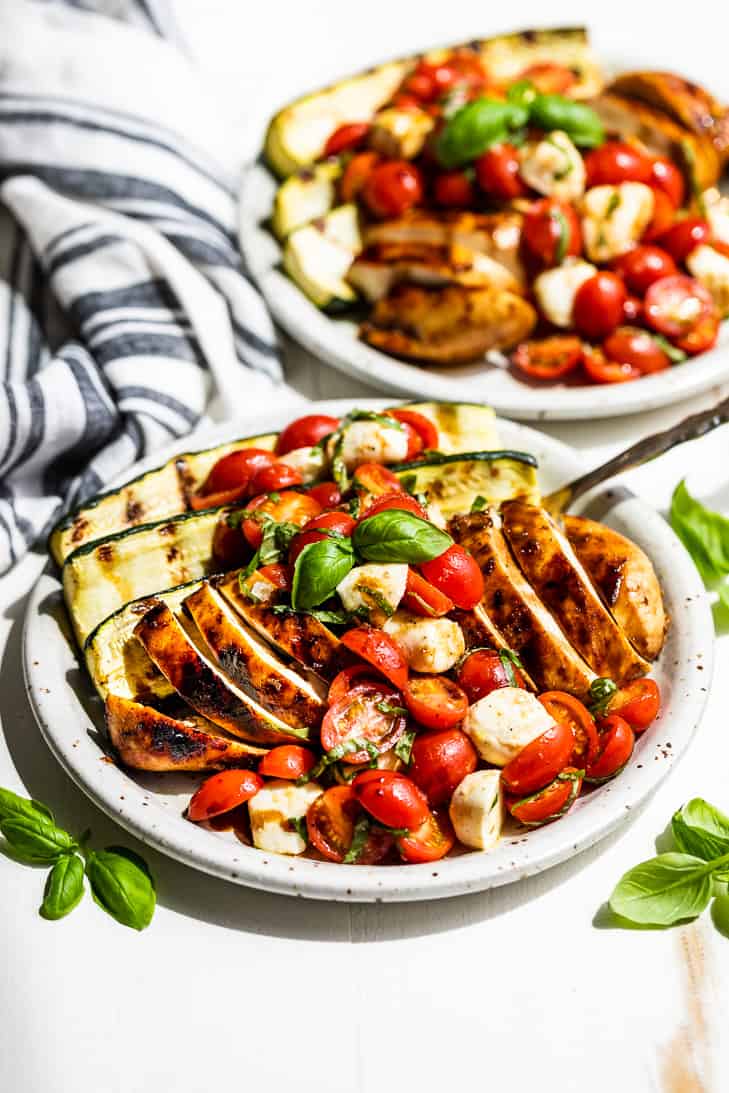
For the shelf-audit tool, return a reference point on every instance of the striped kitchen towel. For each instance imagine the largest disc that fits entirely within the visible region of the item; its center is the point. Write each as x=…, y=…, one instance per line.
x=125, y=314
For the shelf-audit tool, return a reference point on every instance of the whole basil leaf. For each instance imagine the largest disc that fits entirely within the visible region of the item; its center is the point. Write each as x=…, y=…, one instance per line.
x=122, y=884
x=13, y=805
x=399, y=536
x=64, y=887
x=704, y=533
x=578, y=121
x=720, y=914
x=663, y=890
x=36, y=838
x=318, y=570
x=701, y=830
x=476, y=126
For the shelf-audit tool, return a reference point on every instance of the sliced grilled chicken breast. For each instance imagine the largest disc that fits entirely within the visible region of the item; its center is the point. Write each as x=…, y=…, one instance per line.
x=301, y=637
x=203, y=686
x=480, y=633
x=146, y=739
x=450, y=325
x=555, y=573
x=250, y=664
x=376, y=271
x=626, y=580
x=515, y=609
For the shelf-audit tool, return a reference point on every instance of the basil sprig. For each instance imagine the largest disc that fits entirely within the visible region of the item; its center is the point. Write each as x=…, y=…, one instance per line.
x=399, y=536
x=509, y=661
x=318, y=570
x=679, y=884
x=705, y=534
x=120, y=880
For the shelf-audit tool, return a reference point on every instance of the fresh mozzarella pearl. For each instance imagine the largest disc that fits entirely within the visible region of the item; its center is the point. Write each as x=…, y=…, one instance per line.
x=503, y=722
x=553, y=166
x=271, y=810
x=371, y=442
x=555, y=289
x=477, y=809
x=614, y=218
x=428, y=645
x=711, y=267
x=378, y=588
x=309, y=462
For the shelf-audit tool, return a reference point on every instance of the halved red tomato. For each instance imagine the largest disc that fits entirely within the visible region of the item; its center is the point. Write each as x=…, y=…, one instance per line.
x=223, y=792
x=327, y=494
x=305, y=431
x=330, y=824
x=356, y=173
x=497, y=171
x=393, y=187
x=684, y=310
x=549, y=803
x=395, y=501
x=453, y=189
x=288, y=507
x=552, y=231
x=486, y=670
x=423, y=598
x=616, y=161
x=368, y=715
x=643, y=265
x=664, y=214
x=602, y=370
x=287, y=761
x=548, y=358
x=278, y=476
x=666, y=176
x=236, y=469
x=230, y=549
x=344, y=139
x=638, y=348
x=439, y=762
x=375, y=479
x=616, y=747
x=422, y=425
x=430, y=842
x=200, y=501
x=392, y=798
x=684, y=236
x=457, y=575
x=637, y=703
x=345, y=682
x=379, y=650
x=540, y=761
x=566, y=708
x=318, y=528
x=279, y=575
x=435, y=701
x=550, y=78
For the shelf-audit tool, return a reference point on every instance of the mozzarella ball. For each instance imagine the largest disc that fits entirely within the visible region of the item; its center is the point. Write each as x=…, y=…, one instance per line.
x=504, y=722
x=477, y=809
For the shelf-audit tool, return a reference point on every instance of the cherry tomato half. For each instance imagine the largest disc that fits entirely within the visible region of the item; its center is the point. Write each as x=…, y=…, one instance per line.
x=632, y=309
x=457, y=575
x=320, y=528
x=541, y=760
x=636, y=347
x=230, y=548
x=430, y=842
x=277, y=477
x=346, y=137
x=199, y=501
x=330, y=824
x=392, y=188
x=375, y=479
x=484, y=671
x=305, y=431
x=223, y=792
x=378, y=649
x=685, y=236
x=664, y=214
x=440, y=761
x=454, y=190
x=423, y=598
x=643, y=265
x=602, y=370
x=356, y=174
x=392, y=798
x=436, y=702
x=429, y=81
x=287, y=507
x=287, y=761
x=399, y=500
x=548, y=358
x=616, y=747
x=236, y=469
x=614, y=162
x=345, y=682
x=277, y=575
x=549, y=803
x=359, y=717
x=549, y=78
x=598, y=306
x=423, y=426
x=637, y=703
x=565, y=707
x=497, y=171
x=327, y=494
x=682, y=308
x=666, y=176
x=552, y=231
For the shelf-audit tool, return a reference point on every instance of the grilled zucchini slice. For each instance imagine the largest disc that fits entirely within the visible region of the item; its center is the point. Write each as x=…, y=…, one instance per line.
x=462, y=426
x=317, y=257
x=457, y=482
x=306, y=196
x=162, y=492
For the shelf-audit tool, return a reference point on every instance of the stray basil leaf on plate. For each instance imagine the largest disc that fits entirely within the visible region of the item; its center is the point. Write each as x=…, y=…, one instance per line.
x=64, y=887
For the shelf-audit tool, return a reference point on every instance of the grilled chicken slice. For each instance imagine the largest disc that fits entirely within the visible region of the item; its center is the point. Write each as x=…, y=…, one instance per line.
x=662, y=136
x=687, y=103
x=378, y=269
x=204, y=687
x=451, y=325
x=480, y=633
x=516, y=611
x=626, y=580
x=496, y=235
x=251, y=665
x=146, y=739
x=302, y=638
x=555, y=573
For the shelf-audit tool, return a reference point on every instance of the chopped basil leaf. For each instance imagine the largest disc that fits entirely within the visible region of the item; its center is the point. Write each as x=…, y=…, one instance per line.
x=251, y=567
x=404, y=747
x=246, y=589
x=298, y=824
x=510, y=660
x=372, y=415
x=335, y=618
x=601, y=691
x=396, y=832
x=564, y=235
x=359, y=838
x=674, y=354
x=378, y=601
x=479, y=503
x=347, y=747
x=354, y=505
x=612, y=205
x=388, y=707
x=409, y=482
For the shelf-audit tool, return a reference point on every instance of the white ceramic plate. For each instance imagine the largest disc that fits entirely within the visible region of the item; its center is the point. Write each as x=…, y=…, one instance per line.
x=151, y=806
x=335, y=340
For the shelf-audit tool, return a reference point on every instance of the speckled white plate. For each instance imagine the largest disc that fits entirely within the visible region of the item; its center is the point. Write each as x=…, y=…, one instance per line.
x=151, y=806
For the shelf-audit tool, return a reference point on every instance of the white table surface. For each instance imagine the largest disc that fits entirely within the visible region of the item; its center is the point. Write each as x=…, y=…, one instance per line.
x=521, y=985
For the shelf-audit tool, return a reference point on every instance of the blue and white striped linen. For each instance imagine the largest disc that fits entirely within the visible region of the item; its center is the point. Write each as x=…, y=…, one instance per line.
x=125, y=315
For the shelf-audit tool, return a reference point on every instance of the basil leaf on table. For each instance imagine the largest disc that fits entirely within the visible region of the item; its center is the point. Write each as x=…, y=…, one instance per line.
x=318, y=570
x=664, y=890
x=700, y=829
x=36, y=838
x=399, y=536
x=64, y=887
x=704, y=533
x=720, y=914
x=122, y=885
x=13, y=805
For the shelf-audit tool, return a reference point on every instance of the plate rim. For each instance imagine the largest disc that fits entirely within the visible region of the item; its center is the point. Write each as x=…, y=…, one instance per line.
x=199, y=848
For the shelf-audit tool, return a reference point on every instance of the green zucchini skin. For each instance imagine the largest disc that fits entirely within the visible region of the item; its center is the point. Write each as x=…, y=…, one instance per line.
x=459, y=457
